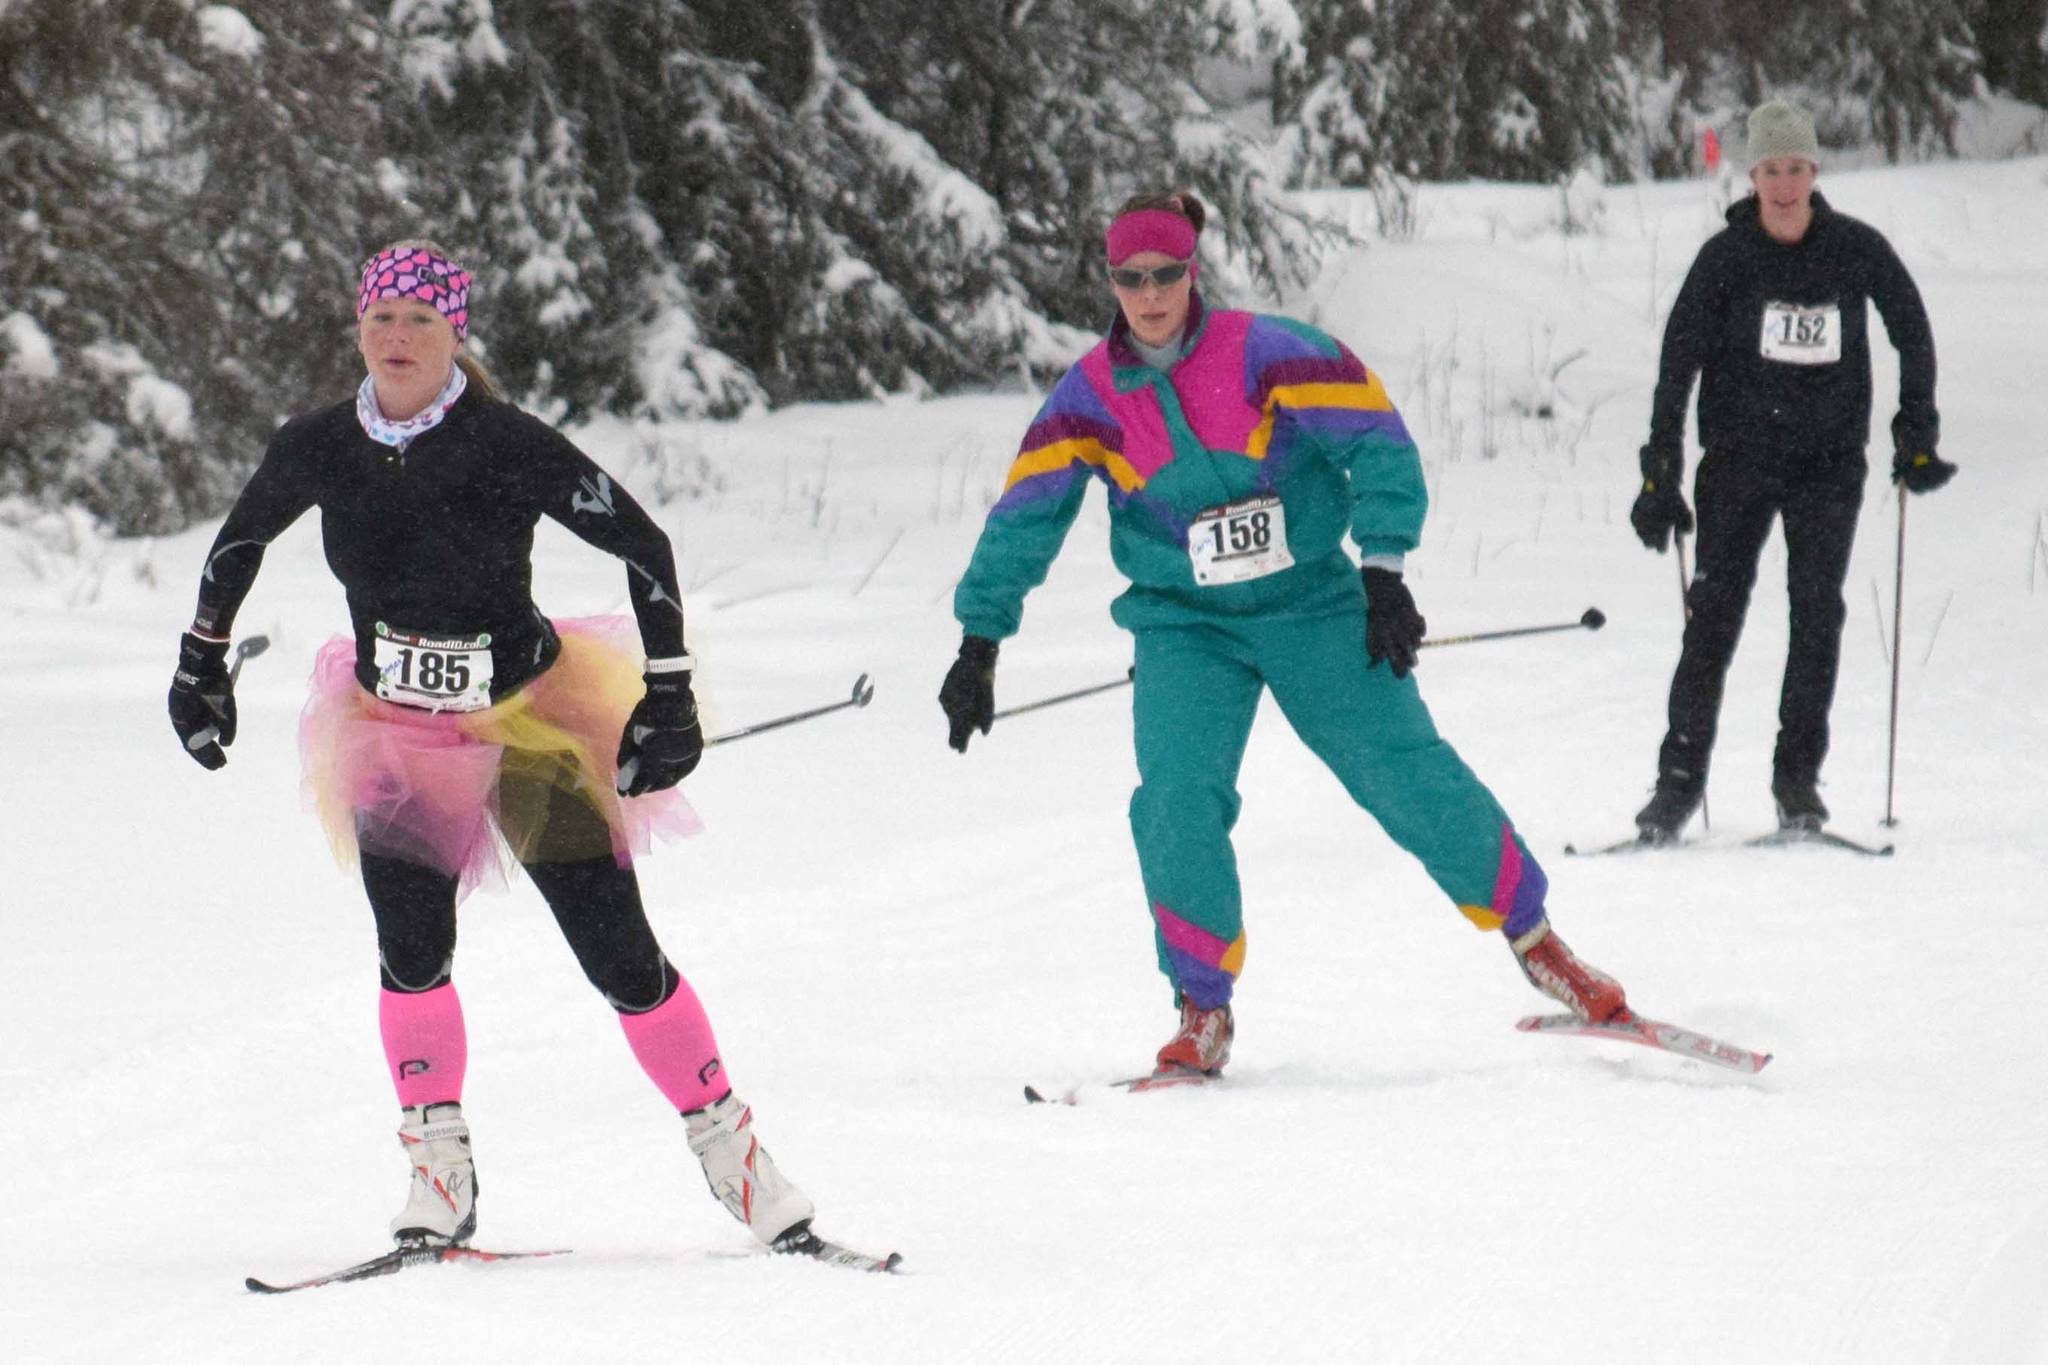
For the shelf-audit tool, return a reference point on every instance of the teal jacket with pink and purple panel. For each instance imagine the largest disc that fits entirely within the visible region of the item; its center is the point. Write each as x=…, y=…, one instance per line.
x=1256, y=406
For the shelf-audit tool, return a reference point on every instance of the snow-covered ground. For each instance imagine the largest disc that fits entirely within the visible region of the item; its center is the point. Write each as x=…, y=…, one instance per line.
x=893, y=939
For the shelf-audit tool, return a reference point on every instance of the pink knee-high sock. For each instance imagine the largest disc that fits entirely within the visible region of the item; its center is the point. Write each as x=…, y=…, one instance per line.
x=675, y=1048
x=424, y=1043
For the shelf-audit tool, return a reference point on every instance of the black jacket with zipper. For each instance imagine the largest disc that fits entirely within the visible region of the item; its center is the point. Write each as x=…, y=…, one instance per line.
x=1768, y=409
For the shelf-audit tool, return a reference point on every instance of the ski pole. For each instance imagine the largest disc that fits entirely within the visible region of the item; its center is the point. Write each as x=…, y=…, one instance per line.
x=1043, y=702
x=863, y=693
x=1685, y=605
x=1891, y=761
x=1592, y=619
x=244, y=651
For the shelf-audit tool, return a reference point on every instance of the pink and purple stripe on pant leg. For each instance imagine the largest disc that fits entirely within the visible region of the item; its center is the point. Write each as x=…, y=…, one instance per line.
x=1204, y=967
x=1519, y=889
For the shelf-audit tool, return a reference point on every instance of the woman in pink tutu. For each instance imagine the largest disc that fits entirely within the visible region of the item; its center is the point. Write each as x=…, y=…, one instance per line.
x=459, y=727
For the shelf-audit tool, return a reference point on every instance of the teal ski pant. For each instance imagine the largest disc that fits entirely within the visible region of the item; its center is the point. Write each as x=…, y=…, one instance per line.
x=1197, y=687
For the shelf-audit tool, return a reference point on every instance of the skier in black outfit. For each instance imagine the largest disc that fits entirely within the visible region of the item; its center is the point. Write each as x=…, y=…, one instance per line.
x=458, y=724
x=1772, y=318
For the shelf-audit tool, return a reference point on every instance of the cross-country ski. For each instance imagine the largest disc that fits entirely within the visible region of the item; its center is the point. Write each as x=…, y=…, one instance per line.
x=1175, y=1079
x=395, y=1260
x=1636, y=1028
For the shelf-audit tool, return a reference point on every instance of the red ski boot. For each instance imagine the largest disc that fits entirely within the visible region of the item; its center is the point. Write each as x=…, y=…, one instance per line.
x=1556, y=971
x=1203, y=1043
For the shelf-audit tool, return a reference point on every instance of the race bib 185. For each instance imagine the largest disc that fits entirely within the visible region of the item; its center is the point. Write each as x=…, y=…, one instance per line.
x=435, y=673
x=1239, y=541
x=1802, y=333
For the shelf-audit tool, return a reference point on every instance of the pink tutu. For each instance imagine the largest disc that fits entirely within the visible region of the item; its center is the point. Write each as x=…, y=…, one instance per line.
x=531, y=779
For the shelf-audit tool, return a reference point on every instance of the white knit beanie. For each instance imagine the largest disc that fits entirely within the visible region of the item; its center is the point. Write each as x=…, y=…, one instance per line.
x=1781, y=128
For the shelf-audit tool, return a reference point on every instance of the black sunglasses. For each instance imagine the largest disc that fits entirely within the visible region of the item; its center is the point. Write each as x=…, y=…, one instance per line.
x=1123, y=277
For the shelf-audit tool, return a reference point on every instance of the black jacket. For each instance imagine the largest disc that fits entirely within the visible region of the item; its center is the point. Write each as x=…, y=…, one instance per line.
x=1802, y=404
x=439, y=540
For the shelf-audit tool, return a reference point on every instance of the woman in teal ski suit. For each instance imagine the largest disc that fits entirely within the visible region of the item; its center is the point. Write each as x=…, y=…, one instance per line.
x=1237, y=450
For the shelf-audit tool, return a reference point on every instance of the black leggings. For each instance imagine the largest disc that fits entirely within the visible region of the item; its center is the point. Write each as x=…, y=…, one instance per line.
x=1738, y=496
x=596, y=902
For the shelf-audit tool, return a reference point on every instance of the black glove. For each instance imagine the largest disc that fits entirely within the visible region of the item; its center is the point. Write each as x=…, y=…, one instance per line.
x=1393, y=627
x=203, y=700
x=1660, y=508
x=968, y=696
x=1920, y=469
x=663, y=741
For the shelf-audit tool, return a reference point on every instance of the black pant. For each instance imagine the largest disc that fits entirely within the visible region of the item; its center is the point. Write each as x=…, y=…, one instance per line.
x=596, y=902
x=1736, y=495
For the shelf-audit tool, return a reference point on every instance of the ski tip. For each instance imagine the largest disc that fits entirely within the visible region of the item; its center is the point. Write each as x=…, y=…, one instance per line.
x=890, y=1263
x=1031, y=1095
x=256, y=1286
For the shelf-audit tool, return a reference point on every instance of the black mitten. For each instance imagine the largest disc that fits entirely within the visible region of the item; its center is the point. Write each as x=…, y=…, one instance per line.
x=1393, y=627
x=968, y=696
x=203, y=700
x=663, y=740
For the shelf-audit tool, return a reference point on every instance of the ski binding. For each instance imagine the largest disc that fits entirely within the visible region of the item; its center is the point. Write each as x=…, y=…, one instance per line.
x=801, y=1241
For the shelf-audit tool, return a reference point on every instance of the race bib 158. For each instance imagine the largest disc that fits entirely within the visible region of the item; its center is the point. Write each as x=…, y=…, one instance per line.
x=1239, y=541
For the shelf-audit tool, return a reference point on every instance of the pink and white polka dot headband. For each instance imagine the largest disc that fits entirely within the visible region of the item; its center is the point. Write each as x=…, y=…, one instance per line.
x=414, y=272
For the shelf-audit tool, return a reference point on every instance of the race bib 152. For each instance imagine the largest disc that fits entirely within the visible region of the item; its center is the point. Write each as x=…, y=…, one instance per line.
x=1802, y=333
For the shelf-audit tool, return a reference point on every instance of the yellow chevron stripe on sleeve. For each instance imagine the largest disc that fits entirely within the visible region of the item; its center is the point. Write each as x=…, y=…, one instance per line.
x=1370, y=396
x=1086, y=449
x=1348, y=395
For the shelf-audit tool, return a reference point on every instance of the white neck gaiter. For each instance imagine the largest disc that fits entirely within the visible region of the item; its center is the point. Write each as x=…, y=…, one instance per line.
x=402, y=434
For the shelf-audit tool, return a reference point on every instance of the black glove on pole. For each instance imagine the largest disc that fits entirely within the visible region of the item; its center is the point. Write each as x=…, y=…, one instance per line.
x=1660, y=508
x=663, y=740
x=203, y=700
x=1920, y=470
x=1393, y=627
x=968, y=696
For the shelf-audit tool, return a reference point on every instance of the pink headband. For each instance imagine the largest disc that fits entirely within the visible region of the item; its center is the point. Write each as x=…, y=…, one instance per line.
x=1150, y=230
x=412, y=272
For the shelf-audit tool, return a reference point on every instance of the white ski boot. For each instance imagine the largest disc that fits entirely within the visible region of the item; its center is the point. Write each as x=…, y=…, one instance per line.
x=440, y=1206
x=742, y=1175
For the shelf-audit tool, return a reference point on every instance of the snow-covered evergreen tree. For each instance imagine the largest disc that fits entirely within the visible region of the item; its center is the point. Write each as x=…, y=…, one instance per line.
x=701, y=206
x=1435, y=89
x=1057, y=110
x=176, y=179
